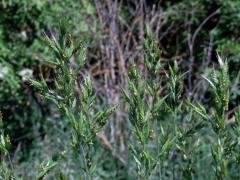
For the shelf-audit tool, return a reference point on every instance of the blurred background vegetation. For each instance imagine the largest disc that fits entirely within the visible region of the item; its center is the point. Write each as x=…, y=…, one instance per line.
x=189, y=32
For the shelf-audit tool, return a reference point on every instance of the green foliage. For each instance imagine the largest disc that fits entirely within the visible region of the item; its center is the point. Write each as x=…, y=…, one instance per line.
x=223, y=150
x=220, y=88
x=78, y=108
x=145, y=105
x=45, y=168
x=6, y=173
x=178, y=127
x=22, y=56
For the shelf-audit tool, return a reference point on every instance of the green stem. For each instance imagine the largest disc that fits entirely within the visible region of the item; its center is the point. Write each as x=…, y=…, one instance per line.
x=83, y=157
